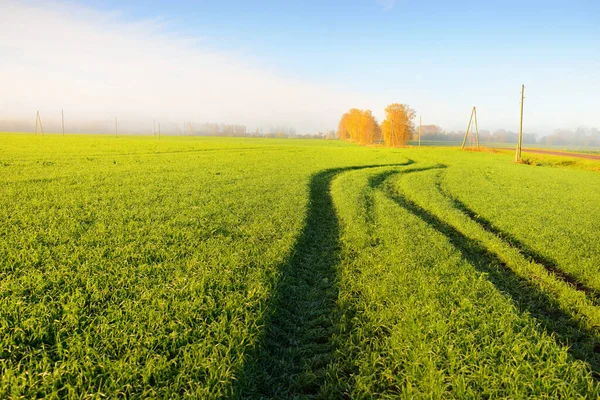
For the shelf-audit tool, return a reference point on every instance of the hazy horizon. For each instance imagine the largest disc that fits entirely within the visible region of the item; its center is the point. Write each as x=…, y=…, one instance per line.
x=301, y=64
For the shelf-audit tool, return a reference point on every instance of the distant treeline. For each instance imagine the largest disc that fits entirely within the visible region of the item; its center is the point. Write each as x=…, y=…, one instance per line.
x=152, y=127
x=582, y=136
x=356, y=125
x=561, y=137
x=274, y=131
x=434, y=132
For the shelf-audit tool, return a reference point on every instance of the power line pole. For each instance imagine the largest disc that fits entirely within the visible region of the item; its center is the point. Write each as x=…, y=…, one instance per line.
x=62, y=114
x=159, y=131
x=420, y=126
x=476, y=126
x=154, y=127
x=468, y=129
x=116, y=128
x=519, y=144
x=37, y=116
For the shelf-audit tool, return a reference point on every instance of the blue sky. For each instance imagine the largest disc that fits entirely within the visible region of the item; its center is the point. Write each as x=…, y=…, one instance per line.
x=441, y=57
x=337, y=40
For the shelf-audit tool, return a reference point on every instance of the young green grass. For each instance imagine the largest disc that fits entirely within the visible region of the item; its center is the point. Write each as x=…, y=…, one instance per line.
x=428, y=314
x=211, y=267
x=551, y=211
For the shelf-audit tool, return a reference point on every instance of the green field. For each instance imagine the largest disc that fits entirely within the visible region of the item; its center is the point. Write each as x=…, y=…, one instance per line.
x=249, y=268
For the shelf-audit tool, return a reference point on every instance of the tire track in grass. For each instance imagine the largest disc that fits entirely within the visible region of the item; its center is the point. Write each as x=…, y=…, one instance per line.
x=527, y=252
x=367, y=198
x=347, y=367
x=301, y=317
x=581, y=341
x=376, y=181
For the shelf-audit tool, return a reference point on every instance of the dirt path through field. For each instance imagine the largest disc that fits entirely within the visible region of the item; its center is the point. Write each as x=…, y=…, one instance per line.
x=561, y=153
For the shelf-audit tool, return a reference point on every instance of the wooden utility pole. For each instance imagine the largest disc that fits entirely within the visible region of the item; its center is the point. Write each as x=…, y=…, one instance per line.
x=520, y=142
x=476, y=126
x=420, y=129
x=472, y=120
x=38, y=119
x=159, y=131
x=62, y=115
x=468, y=129
x=154, y=127
x=116, y=128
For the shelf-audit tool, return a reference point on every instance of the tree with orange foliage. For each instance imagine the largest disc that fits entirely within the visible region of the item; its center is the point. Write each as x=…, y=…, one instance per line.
x=359, y=126
x=342, y=130
x=353, y=124
x=370, y=131
x=398, y=126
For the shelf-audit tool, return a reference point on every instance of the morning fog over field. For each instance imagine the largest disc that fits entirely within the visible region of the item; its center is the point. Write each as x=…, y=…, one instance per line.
x=302, y=199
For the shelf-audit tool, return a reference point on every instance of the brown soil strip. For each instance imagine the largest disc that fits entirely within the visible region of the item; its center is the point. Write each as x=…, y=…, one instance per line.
x=561, y=153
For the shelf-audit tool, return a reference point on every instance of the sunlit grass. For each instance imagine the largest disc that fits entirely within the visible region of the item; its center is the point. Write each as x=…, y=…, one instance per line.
x=274, y=268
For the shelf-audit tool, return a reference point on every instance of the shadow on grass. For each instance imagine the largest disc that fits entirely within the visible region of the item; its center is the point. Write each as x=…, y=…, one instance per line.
x=376, y=181
x=301, y=318
x=526, y=251
x=581, y=342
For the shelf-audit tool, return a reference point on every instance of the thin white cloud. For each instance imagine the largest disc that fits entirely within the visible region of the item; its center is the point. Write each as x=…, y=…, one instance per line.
x=387, y=5
x=97, y=65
